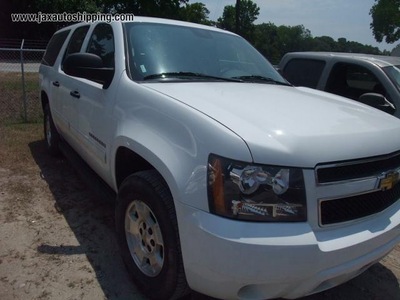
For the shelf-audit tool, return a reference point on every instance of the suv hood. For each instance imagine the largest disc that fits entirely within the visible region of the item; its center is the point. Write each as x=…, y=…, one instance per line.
x=290, y=126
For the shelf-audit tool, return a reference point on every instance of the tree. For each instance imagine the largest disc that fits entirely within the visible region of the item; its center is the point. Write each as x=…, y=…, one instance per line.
x=396, y=51
x=228, y=21
x=324, y=43
x=293, y=38
x=70, y=6
x=266, y=41
x=248, y=14
x=152, y=8
x=196, y=13
x=386, y=20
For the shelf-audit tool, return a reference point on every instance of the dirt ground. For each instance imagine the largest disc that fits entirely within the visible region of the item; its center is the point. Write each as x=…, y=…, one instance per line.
x=57, y=238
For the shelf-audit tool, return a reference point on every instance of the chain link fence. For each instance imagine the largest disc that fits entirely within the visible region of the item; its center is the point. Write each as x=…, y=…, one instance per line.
x=19, y=80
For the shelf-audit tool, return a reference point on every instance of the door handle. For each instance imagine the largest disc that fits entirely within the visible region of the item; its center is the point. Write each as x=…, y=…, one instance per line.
x=75, y=94
x=56, y=83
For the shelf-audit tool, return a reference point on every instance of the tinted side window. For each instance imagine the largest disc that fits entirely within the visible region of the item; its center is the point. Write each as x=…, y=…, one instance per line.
x=304, y=72
x=351, y=81
x=102, y=44
x=54, y=47
x=76, y=41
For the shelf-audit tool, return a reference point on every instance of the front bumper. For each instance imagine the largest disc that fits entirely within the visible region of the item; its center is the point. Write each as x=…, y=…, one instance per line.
x=229, y=259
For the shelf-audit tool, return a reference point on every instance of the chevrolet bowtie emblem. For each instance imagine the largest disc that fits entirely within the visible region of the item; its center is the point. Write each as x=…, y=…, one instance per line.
x=388, y=180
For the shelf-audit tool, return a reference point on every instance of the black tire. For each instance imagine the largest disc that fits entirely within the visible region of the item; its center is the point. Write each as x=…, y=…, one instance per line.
x=153, y=257
x=51, y=135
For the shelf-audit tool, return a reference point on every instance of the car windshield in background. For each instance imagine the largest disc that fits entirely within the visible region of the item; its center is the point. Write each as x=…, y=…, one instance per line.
x=394, y=74
x=170, y=52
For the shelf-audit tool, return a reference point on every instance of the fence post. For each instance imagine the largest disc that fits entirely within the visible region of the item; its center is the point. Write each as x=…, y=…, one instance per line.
x=23, y=79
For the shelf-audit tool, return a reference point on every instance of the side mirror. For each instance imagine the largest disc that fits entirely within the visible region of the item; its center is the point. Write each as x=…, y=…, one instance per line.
x=88, y=66
x=378, y=101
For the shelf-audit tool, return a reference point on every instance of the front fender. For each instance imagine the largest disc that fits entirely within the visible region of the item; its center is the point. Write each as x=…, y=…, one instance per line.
x=176, y=140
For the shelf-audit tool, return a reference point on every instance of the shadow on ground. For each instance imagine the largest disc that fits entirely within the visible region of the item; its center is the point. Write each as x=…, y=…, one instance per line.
x=90, y=218
x=92, y=221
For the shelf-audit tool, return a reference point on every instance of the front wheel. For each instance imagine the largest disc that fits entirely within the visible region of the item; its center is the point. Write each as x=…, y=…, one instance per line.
x=148, y=236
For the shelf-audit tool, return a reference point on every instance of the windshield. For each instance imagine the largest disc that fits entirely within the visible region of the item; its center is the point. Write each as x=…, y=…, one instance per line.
x=394, y=74
x=164, y=52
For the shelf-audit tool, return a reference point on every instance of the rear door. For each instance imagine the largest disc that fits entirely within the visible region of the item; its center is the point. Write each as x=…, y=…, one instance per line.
x=50, y=74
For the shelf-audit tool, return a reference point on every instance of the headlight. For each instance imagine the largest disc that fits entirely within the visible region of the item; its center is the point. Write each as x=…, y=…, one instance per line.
x=252, y=192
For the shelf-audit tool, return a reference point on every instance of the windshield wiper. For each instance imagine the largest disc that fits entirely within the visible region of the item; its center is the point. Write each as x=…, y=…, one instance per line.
x=259, y=78
x=185, y=75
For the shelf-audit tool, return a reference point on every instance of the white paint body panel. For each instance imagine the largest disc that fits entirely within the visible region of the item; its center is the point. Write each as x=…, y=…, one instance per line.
x=175, y=126
x=291, y=126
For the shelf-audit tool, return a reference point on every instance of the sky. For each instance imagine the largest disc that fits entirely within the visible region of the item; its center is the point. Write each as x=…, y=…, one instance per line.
x=335, y=18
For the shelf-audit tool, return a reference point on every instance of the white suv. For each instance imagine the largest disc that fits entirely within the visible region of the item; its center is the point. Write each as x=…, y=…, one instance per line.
x=229, y=181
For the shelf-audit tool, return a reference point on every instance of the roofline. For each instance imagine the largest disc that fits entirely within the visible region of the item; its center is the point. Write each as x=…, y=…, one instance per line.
x=380, y=60
x=155, y=20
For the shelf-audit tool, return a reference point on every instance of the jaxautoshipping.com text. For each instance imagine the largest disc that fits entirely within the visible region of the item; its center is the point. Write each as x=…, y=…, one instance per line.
x=40, y=17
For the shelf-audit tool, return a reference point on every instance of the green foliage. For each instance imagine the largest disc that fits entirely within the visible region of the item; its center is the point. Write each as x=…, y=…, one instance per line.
x=267, y=42
x=196, y=13
x=153, y=8
x=396, y=51
x=273, y=42
x=70, y=6
x=228, y=19
x=293, y=38
x=386, y=20
x=248, y=14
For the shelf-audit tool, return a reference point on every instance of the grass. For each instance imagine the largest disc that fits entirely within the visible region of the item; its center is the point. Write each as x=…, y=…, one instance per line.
x=14, y=146
x=12, y=100
x=18, y=169
x=13, y=81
